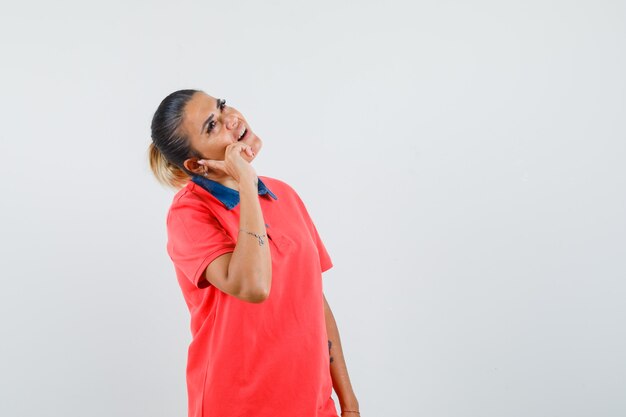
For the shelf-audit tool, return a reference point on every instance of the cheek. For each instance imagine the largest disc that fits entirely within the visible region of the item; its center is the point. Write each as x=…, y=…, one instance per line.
x=222, y=142
x=214, y=150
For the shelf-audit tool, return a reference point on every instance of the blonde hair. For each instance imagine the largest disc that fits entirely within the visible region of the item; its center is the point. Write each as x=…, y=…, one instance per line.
x=165, y=172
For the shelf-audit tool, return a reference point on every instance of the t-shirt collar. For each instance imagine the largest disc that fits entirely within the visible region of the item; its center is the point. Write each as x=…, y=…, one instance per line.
x=228, y=196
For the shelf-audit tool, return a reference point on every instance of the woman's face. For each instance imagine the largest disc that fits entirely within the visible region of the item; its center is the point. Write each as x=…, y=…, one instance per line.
x=211, y=126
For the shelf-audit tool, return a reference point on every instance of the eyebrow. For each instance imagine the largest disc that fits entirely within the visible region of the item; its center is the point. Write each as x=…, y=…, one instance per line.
x=207, y=121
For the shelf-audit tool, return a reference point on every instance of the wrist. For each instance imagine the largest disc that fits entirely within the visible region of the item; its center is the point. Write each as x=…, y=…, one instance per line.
x=351, y=409
x=249, y=181
x=350, y=403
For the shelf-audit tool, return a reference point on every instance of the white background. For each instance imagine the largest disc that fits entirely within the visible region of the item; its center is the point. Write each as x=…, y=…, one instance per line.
x=464, y=162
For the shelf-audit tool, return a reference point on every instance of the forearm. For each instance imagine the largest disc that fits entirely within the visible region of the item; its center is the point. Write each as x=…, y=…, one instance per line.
x=251, y=264
x=338, y=368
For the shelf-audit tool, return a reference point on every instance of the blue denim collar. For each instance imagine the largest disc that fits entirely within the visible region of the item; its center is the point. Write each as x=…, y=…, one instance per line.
x=228, y=196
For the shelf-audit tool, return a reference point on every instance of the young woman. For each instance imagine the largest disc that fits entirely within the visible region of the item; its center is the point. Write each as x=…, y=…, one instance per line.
x=249, y=261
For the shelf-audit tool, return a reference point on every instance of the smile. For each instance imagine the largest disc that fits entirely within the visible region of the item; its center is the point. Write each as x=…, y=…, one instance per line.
x=242, y=133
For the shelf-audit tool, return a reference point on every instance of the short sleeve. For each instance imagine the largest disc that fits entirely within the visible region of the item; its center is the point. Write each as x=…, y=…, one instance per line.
x=325, y=261
x=195, y=239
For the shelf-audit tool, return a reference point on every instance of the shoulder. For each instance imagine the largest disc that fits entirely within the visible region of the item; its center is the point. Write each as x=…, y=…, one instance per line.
x=189, y=199
x=275, y=183
x=278, y=186
x=284, y=191
x=184, y=195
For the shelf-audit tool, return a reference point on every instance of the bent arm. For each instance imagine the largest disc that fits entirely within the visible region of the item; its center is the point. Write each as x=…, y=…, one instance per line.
x=246, y=272
x=338, y=368
x=251, y=263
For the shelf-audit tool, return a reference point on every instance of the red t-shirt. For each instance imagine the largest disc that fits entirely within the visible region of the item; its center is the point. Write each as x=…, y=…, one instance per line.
x=269, y=359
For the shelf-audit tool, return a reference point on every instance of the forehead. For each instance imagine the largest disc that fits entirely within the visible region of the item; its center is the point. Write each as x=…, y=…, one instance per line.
x=197, y=110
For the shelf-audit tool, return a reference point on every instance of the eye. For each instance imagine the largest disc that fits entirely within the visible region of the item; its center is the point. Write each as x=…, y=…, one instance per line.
x=221, y=104
x=210, y=126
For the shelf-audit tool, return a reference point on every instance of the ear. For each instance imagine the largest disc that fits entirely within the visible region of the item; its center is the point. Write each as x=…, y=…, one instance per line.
x=192, y=165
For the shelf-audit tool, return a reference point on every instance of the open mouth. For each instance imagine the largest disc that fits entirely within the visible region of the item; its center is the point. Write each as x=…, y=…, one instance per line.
x=243, y=134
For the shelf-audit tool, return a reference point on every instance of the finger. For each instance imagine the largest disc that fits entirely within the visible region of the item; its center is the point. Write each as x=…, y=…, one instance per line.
x=218, y=165
x=236, y=147
x=245, y=148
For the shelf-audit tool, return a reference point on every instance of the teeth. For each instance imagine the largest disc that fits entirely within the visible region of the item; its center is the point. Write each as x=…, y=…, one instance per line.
x=242, y=133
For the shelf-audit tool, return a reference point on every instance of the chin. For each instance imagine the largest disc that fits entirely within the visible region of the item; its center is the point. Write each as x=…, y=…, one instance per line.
x=256, y=144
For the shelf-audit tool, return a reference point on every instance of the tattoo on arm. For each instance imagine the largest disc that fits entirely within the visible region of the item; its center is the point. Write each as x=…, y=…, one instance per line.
x=329, y=345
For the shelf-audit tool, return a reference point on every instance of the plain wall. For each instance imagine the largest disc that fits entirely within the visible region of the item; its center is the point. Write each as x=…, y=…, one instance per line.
x=463, y=162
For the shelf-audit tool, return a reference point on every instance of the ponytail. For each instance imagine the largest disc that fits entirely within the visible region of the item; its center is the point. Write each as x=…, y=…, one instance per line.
x=170, y=145
x=165, y=172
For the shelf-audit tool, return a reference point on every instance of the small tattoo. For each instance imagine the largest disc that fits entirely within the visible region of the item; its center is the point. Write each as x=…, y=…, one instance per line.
x=260, y=237
x=329, y=345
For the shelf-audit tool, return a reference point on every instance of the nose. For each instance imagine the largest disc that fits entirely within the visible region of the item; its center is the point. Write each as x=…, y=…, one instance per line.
x=232, y=122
